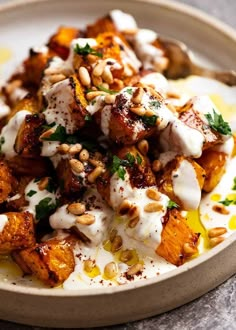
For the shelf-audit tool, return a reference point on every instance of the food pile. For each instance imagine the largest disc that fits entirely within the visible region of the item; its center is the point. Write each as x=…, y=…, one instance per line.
x=100, y=159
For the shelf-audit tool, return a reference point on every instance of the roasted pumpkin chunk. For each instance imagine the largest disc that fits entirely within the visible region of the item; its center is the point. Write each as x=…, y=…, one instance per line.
x=178, y=241
x=51, y=261
x=6, y=181
x=18, y=231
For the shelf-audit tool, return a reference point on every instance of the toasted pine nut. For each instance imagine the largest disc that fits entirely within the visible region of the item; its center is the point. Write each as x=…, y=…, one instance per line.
x=216, y=240
x=107, y=75
x=217, y=231
x=189, y=249
x=152, y=193
x=124, y=207
x=95, y=174
x=88, y=265
x=86, y=219
x=63, y=148
x=119, y=84
x=76, y=208
x=84, y=155
x=46, y=134
x=156, y=165
x=137, y=95
x=91, y=95
x=219, y=208
x=140, y=111
x=153, y=207
x=99, y=68
x=96, y=162
x=43, y=183
x=126, y=255
x=104, y=85
x=56, y=78
x=133, y=212
x=110, y=270
x=143, y=147
x=113, y=234
x=75, y=149
x=116, y=244
x=133, y=222
x=135, y=269
x=110, y=99
x=84, y=76
x=76, y=165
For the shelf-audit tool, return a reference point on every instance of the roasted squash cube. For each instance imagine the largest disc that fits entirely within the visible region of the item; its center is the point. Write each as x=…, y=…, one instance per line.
x=52, y=261
x=6, y=181
x=18, y=231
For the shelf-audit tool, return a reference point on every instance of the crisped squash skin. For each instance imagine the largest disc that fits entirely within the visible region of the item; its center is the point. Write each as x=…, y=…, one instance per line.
x=102, y=25
x=213, y=163
x=61, y=40
x=27, y=141
x=69, y=182
x=7, y=181
x=164, y=177
x=17, y=204
x=174, y=235
x=51, y=261
x=18, y=233
x=35, y=167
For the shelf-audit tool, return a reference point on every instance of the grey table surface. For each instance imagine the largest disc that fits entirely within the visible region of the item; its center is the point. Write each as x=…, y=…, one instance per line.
x=216, y=309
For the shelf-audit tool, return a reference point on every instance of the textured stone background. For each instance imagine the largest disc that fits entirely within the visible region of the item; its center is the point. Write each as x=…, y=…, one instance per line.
x=217, y=309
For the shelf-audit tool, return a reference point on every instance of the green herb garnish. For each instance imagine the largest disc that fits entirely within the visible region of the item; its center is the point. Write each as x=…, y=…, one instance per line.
x=31, y=193
x=109, y=91
x=48, y=126
x=2, y=141
x=155, y=104
x=86, y=50
x=228, y=202
x=44, y=208
x=88, y=117
x=234, y=186
x=51, y=186
x=218, y=124
x=129, y=91
x=139, y=159
x=150, y=121
x=171, y=205
x=58, y=135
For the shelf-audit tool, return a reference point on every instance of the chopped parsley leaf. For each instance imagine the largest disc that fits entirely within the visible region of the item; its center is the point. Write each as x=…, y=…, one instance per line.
x=150, y=121
x=31, y=193
x=234, y=186
x=129, y=91
x=44, y=208
x=155, y=104
x=118, y=165
x=2, y=141
x=48, y=126
x=228, y=202
x=218, y=124
x=130, y=158
x=86, y=50
x=88, y=117
x=109, y=91
x=58, y=135
x=37, y=180
x=171, y=205
x=51, y=186
x=139, y=159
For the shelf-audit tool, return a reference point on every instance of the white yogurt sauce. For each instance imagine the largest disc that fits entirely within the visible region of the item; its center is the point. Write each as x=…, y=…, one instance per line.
x=105, y=120
x=49, y=148
x=62, y=219
x=123, y=21
x=148, y=229
x=37, y=196
x=3, y=221
x=186, y=186
x=4, y=109
x=59, y=98
x=9, y=133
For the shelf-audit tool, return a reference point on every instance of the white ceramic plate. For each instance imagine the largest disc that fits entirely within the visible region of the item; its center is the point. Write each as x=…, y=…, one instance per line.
x=29, y=23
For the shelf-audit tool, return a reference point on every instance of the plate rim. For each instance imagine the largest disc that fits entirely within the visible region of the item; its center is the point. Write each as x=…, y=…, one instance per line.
x=215, y=24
